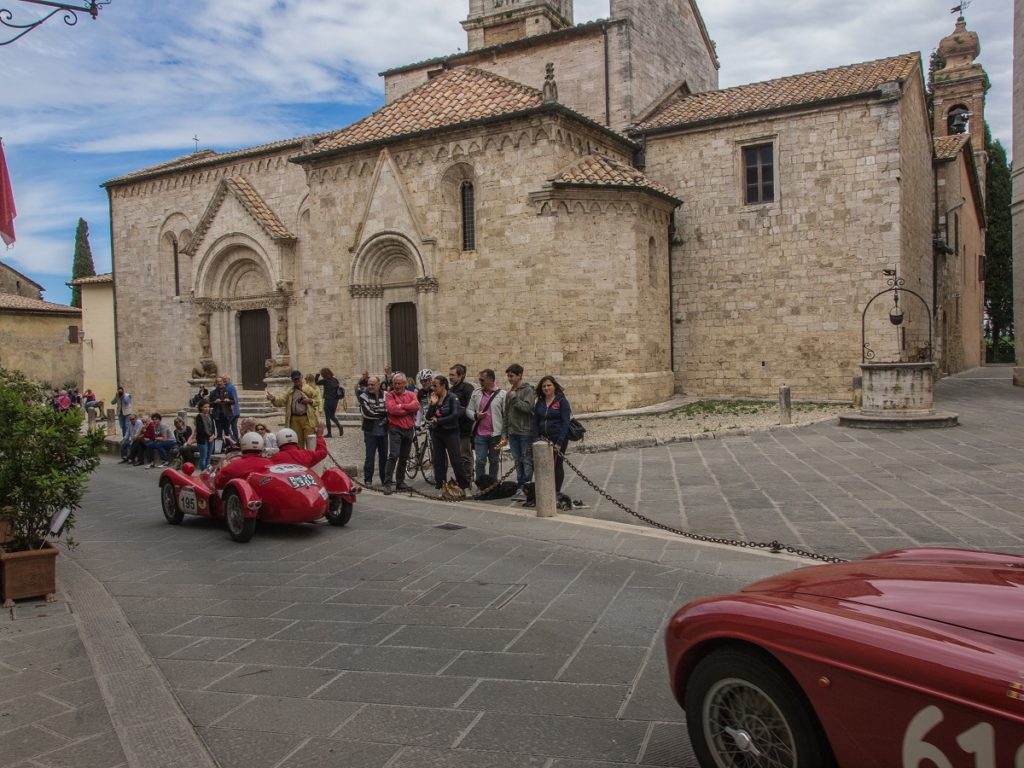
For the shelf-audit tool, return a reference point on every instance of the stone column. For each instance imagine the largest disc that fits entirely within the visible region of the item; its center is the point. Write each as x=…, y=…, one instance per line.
x=369, y=327
x=1018, y=189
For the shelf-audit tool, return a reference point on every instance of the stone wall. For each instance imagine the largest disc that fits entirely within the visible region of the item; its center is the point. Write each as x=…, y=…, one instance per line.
x=961, y=290
x=666, y=48
x=915, y=212
x=158, y=331
x=389, y=221
x=36, y=344
x=772, y=294
x=11, y=281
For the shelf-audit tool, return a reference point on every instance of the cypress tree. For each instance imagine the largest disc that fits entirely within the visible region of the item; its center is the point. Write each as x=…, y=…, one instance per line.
x=998, y=253
x=82, y=265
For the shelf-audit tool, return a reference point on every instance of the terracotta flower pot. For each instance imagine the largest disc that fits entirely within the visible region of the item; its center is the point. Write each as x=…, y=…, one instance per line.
x=6, y=530
x=29, y=573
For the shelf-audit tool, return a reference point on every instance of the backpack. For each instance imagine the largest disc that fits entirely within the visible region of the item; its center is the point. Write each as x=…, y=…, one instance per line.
x=576, y=430
x=340, y=393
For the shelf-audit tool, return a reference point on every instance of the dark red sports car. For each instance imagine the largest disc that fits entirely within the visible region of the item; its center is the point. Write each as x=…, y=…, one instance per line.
x=909, y=659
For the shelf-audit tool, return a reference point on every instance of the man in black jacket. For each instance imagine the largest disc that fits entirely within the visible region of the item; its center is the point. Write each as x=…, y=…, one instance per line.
x=463, y=390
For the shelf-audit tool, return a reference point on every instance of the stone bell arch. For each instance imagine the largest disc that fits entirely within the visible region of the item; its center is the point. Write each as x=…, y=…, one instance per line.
x=393, y=301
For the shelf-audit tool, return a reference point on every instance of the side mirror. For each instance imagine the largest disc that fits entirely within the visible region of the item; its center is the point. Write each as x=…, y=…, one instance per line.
x=188, y=468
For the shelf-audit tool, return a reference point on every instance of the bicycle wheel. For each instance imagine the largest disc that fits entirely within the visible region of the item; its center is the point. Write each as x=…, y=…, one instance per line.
x=412, y=466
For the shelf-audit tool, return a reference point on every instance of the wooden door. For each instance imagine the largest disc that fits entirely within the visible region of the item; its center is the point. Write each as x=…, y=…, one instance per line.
x=254, y=334
x=405, y=354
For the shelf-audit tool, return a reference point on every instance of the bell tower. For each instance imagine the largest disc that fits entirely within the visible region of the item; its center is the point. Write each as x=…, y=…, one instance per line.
x=959, y=90
x=493, y=22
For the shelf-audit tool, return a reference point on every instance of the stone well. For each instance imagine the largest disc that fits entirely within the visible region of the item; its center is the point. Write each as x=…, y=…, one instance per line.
x=898, y=396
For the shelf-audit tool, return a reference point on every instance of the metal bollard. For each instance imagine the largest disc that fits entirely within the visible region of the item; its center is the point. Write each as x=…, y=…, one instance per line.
x=785, y=405
x=544, y=478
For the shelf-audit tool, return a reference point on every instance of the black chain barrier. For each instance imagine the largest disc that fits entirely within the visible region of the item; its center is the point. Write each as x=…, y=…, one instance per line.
x=775, y=546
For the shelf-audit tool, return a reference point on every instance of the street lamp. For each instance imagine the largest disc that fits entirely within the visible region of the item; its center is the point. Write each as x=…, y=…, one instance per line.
x=70, y=11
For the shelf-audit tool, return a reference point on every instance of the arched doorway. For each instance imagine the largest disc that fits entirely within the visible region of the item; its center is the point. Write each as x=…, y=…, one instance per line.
x=391, y=299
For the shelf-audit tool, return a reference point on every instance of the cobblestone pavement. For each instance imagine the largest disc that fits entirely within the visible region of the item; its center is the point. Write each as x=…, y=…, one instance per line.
x=507, y=642
x=844, y=492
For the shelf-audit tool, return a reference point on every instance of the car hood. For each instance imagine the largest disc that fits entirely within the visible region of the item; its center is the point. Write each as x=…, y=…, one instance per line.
x=981, y=591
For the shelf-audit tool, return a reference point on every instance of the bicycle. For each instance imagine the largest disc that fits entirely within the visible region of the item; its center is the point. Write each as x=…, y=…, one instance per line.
x=421, y=458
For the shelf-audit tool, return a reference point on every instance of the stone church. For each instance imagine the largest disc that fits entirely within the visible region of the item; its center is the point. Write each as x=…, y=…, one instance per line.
x=581, y=199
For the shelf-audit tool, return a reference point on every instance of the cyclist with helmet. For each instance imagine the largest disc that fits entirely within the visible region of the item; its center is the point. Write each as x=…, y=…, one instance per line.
x=289, y=452
x=425, y=379
x=251, y=460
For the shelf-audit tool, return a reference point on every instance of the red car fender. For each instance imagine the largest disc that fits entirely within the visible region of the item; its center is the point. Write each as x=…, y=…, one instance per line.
x=206, y=503
x=847, y=660
x=338, y=483
x=250, y=500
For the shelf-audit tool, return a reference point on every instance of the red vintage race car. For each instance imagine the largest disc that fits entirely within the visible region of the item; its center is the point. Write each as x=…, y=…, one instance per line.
x=281, y=493
x=908, y=659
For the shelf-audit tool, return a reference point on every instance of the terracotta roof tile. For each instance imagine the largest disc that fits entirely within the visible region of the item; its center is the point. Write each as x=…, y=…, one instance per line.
x=207, y=157
x=601, y=171
x=258, y=208
x=106, y=277
x=948, y=147
x=13, y=301
x=459, y=96
x=793, y=91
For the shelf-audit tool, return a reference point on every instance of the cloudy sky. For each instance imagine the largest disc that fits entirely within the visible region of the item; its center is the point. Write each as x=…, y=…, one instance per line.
x=85, y=104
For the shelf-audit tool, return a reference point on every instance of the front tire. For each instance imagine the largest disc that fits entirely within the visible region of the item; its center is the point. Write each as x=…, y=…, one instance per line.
x=240, y=527
x=743, y=710
x=169, y=503
x=339, y=511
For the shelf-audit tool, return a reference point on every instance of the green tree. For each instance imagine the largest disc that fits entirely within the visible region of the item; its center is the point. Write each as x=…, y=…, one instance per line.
x=998, y=249
x=82, y=265
x=45, y=461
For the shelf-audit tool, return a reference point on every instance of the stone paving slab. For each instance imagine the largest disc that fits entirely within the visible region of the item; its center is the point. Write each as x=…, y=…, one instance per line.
x=386, y=643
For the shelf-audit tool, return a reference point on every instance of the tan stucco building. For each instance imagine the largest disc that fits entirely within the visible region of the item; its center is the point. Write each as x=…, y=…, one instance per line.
x=40, y=339
x=580, y=199
x=98, y=336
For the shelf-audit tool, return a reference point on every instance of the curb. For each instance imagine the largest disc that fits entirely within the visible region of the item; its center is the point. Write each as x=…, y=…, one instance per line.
x=153, y=730
x=725, y=434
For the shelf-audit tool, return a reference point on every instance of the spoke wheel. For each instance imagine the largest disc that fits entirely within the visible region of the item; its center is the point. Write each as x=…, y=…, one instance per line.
x=743, y=711
x=169, y=504
x=240, y=527
x=412, y=466
x=339, y=512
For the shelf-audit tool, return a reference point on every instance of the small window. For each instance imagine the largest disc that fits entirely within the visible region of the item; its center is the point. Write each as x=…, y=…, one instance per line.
x=468, y=217
x=981, y=267
x=759, y=174
x=73, y=336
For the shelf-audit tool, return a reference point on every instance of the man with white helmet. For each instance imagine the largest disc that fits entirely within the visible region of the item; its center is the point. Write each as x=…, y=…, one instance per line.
x=289, y=452
x=251, y=460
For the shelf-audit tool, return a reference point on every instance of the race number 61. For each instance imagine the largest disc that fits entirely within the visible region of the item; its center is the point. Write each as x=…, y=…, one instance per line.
x=979, y=740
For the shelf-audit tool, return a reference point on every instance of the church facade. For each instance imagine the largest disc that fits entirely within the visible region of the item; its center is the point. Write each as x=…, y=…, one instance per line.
x=580, y=199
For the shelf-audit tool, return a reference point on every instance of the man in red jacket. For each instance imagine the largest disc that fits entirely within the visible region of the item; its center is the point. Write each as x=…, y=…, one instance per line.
x=289, y=451
x=402, y=406
x=250, y=461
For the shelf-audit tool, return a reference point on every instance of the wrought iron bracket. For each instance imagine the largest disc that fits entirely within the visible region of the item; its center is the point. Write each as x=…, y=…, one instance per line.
x=896, y=288
x=70, y=13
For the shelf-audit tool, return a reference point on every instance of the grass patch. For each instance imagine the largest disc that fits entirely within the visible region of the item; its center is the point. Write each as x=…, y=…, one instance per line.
x=739, y=408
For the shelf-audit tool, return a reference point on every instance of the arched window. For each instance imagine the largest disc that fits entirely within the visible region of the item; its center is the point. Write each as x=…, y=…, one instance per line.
x=468, y=216
x=652, y=262
x=177, y=268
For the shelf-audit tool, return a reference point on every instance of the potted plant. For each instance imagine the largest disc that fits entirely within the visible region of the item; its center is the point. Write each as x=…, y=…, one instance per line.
x=45, y=462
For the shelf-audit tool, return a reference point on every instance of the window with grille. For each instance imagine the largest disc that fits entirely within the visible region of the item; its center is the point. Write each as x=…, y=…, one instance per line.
x=759, y=174
x=468, y=217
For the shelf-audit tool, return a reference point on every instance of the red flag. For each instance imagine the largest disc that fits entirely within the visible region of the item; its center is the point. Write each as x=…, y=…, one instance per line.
x=7, y=210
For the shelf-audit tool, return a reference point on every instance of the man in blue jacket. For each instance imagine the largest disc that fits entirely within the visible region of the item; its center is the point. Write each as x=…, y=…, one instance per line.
x=236, y=409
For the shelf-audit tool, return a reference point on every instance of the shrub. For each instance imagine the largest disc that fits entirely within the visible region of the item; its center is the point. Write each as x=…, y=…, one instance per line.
x=45, y=461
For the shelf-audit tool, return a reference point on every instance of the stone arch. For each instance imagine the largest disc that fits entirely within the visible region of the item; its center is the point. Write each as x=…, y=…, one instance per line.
x=219, y=266
x=388, y=269
x=459, y=210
